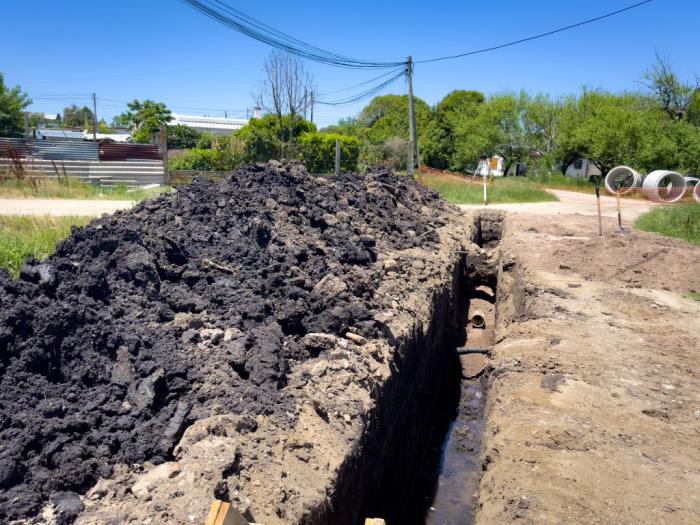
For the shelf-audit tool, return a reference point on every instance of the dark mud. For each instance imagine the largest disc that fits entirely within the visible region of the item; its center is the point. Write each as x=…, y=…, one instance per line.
x=189, y=305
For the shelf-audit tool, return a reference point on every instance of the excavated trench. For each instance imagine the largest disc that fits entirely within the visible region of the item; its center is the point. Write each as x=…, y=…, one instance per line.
x=419, y=462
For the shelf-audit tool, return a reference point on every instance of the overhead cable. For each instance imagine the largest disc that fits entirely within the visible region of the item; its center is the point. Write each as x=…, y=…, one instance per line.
x=535, y=37
x=247, y=25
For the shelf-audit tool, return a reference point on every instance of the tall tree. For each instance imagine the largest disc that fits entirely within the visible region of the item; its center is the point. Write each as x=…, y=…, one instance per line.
x=675, y=96
x=143, y=119
x=75, y=117
x=386, y=117
x=287, y=87
x=12, y=102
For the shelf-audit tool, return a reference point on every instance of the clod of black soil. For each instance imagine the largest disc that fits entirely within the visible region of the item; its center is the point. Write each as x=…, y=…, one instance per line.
x=188, y=305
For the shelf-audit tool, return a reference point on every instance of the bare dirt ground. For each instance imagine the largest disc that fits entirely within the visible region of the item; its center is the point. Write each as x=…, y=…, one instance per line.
x=572, y=202
x=62, y=207
x=593, y=411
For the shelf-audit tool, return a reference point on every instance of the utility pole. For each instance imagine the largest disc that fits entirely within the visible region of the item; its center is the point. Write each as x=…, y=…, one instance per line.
x=306, y=102
x=94, y=117
x=312, y=106
x=225, y=114
x=411, y=118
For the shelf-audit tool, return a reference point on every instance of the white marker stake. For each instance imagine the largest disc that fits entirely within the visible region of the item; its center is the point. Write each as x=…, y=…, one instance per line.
x=486, y=200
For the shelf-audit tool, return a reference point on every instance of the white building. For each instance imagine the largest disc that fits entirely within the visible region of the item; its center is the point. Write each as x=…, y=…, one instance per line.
x=216, y=125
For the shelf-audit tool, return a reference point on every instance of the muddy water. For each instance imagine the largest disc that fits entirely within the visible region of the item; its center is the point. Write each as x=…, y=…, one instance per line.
x=459, y=472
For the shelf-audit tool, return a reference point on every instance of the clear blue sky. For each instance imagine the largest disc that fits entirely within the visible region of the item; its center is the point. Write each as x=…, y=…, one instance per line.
x=62, y=50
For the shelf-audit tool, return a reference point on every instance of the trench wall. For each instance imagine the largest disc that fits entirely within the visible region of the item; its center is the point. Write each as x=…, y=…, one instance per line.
x=384, y=473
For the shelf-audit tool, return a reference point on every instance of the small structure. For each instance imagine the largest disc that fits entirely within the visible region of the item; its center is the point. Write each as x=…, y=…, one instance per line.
x=582, y=169
x=216, y=125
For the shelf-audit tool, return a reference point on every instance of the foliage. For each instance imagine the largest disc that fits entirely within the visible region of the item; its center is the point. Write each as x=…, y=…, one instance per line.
x=206, y=160
x=317, y=151
x=75, y=117
x=616, y=129
x=674, y=96
x=270, y=137
x=679, y=220
x=24, y=237
x=438, y=141
x=386, y=117
x=143, y=119
x=182, y=137
x=12, y=102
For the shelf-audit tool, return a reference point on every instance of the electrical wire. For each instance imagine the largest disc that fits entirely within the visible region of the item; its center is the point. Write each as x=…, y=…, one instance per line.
x=392, y=71
x=247, y=25
x=364, y=95
x=535, y=37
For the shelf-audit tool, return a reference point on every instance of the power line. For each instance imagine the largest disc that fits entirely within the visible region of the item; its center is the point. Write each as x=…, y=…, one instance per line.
x=365, y=94
x=535, y=37
x=247, y=25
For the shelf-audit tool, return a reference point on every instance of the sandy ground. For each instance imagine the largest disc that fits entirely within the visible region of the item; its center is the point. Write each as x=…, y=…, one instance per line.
x=593, y=411
x=571, y=202
x=61, y=207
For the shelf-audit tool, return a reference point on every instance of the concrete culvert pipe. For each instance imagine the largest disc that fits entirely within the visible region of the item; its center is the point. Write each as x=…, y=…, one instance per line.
x=624, y=178
x=692, y=185
x=478, y=320
x=664, y=186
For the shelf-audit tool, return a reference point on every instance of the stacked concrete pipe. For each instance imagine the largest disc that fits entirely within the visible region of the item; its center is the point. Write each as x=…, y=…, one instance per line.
x=622, y=178
x=693, y=185
x=674, y=183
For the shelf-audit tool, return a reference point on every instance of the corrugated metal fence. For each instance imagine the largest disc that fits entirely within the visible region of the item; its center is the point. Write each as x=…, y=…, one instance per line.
x=106, y=164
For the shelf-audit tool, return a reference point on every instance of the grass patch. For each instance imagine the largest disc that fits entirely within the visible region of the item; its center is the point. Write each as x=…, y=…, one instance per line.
x=677, y=220
x=695, y=296
x=559, y=181
x=461, y=190
x=22, y=237
x=68, y=188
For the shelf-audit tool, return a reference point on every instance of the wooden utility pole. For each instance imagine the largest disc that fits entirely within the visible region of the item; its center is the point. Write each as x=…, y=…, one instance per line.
x=312, y=106
x=306, y=102
x=337, y=157
x=411, y=118
x=94, y=117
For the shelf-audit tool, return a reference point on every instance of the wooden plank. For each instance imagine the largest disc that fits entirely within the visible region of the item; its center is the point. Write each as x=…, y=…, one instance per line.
x=222, y=513
x=374, y=521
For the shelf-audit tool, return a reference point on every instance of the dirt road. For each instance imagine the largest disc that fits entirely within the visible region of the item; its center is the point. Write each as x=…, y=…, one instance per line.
x=593, y=411
x=574, y=203
x=61, y=207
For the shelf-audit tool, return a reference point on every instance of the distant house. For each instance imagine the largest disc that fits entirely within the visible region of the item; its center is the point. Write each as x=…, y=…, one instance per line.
x=215, y=125
x=582, y=169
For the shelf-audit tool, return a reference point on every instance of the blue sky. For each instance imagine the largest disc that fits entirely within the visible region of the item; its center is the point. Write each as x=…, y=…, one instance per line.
x=60, y=51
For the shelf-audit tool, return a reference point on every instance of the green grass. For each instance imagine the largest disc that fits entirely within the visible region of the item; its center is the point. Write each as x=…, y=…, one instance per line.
x=44, y=188
x=695, y=296
x=559, y=181
x=460, y=190
x=678, y=220
x=23, y=237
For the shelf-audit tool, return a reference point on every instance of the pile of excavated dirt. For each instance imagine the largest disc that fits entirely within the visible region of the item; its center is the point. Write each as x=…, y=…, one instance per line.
x=188, y=306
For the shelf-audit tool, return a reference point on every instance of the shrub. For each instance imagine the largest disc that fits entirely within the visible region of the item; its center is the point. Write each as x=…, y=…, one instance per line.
x=317, y=152
x=206, y=160
x=182, y=137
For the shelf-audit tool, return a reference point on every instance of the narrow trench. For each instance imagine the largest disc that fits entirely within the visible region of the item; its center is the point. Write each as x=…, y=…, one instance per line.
x=419, y=464
x=452, y=472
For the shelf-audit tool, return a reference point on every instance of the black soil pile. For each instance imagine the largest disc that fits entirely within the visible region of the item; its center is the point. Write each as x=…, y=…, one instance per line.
x=186, y=306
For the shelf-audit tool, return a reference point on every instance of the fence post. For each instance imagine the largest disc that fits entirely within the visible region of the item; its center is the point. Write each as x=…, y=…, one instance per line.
x=337, y=157
x=164, y=151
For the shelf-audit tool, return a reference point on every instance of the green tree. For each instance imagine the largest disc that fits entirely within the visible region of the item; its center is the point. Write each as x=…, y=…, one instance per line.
x=438, y=140
x=12, y=103
x=386, y=117
x=270, y=137
x=317, y=151
x=674, y=96
x=143, y=119
x=182, y=137
x=75, y=117
x=612, y=129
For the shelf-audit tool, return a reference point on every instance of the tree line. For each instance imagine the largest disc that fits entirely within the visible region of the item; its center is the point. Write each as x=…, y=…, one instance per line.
x=655, y=127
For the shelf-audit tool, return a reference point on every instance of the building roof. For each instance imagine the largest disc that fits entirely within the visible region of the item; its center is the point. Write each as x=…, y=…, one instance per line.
x=208, y=123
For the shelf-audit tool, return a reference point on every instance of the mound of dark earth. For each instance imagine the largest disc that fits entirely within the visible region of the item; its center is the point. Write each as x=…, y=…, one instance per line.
x=186, y=306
